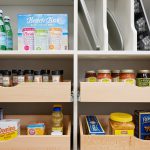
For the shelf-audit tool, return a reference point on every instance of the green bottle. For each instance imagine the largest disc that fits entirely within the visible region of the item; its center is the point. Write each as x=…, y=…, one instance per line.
x=2, y=33
x=9, y=33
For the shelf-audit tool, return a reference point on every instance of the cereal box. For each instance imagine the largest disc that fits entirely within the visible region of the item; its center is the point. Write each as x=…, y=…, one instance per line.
x=142, y=123
x=42, y=32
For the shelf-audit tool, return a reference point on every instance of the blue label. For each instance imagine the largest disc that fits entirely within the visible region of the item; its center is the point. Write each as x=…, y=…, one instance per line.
x=3, y=38
x=9, y=42
x=94, y=126
x=145, y=125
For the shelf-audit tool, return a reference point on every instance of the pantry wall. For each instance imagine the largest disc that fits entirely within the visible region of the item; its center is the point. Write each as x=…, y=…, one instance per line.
x=80, y=58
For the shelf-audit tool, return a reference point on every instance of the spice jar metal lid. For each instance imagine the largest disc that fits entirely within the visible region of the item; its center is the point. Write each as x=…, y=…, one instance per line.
x=6, y=73
x=57, y=72
x=45, y=72
x=37, y=72
x=127, y=71
x=144, y=71
x=91, y=71
x=14, y=71
x=121, y=117
x=115, y=71
x=104, y=71
x=20, y=72
x=28, y=72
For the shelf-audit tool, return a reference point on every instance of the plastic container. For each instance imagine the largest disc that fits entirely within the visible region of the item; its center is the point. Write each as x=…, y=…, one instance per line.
x=121, y=124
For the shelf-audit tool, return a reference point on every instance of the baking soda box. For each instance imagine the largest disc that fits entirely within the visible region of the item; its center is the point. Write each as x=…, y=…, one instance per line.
x=42, y=32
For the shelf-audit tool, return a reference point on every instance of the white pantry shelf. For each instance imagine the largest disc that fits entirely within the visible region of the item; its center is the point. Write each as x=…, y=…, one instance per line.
x=35, y=2
x=37, y=54
x=84, y=54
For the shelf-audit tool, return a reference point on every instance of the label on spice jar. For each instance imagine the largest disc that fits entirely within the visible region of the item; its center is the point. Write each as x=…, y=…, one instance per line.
x=105, y=80
x=6, y=81
x=56, y=78
x=15, y=79
x=115, y=79
x=124, y=132
x=30, y=78
x=38, y=78
x=130, y=81
x=90, y=79
x=143, y=82
x=20, y=79
x=45, y=78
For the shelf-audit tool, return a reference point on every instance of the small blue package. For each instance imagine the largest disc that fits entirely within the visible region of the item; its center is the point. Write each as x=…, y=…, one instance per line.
x=93, y=125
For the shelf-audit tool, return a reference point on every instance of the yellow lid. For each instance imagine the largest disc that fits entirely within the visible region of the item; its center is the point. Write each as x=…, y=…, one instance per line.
x=121, y=117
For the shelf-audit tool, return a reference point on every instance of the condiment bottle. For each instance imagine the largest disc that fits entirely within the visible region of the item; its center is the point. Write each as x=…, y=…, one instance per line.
x=57, y=120
x=45, y=75
x=143, y=78
x=104, y=76
x=128, y=76
x=37, y=76
x=115, y=75
x=90, y=76
x=1, y=77
x=57, y=76
x=14, y=77
x=7, y=78
x=21, y=76
x=29, y=75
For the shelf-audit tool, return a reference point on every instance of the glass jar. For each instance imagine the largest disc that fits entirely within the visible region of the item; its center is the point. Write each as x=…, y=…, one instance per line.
x=7, y=78
x=121, y=124
x=90, y=76
x=128, y=76
x=143, y=78
x=104, y=76
x=115, y=75
x=21, y=76
x=57, y=76
x=1, y=77
x=29, y=75
x=37, y=76
x=14, y=77
x=45, y=75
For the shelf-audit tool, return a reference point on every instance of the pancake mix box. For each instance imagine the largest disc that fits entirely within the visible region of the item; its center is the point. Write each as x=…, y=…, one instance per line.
x=42, y=32
x=9, y=129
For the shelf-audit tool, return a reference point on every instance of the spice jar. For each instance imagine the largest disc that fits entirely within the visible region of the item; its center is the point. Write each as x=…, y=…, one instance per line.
x=127, y=76
x=1, y=77
x=57, y=76
x=143, y=78
x=21, y=76
x=14, y=77
x=90, y=76
x=104, y=76
x=29, y=76
x=45, y=75
x=37, y=76
x=7, y=78
x=115, y=75
x=121, y=124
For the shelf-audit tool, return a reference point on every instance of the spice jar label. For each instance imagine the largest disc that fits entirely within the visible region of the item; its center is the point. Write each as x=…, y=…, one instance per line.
x=6, y=81
x=143, y=82
x=130, y=81
x=124, y=132
x=105, y=80
x=115, y=79
x=90, y=79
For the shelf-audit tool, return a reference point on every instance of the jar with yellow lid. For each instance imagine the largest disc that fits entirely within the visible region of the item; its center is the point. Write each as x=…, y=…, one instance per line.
x=121, y=124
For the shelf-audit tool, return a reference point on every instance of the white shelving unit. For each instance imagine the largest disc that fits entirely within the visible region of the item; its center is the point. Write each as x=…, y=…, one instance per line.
x=81, y=56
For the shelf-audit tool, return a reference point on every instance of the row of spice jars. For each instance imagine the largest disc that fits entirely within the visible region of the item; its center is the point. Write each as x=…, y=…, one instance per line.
x=141, y=79
x=14, y=77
